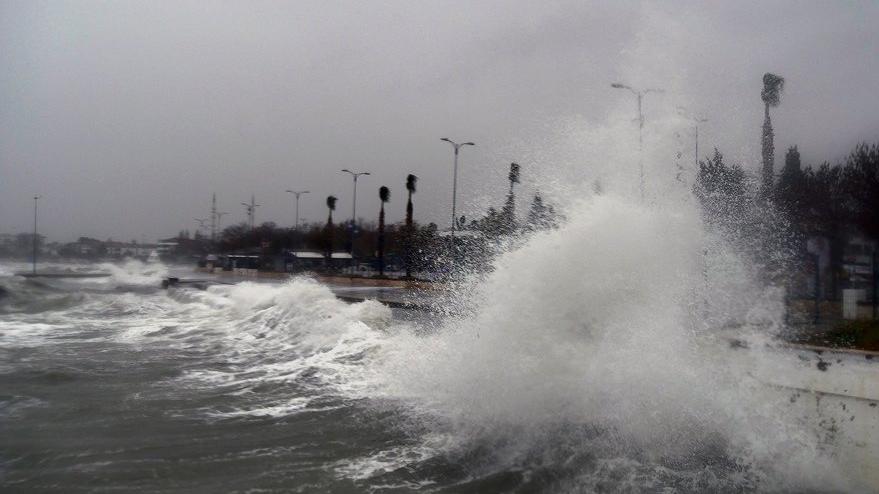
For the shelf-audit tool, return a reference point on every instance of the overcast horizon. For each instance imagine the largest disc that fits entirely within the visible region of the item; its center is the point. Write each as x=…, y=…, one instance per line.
x=126, y=116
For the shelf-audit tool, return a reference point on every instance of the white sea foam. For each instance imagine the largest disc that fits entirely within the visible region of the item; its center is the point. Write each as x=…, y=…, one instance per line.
x=386, y=461
x=134, y=272
x=269, y=334
x=586, y=340
x=601, y=323
x=603, y=339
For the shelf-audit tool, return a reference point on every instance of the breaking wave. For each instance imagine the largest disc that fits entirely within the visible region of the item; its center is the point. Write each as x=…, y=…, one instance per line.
x=583, y=362
x=587, y=355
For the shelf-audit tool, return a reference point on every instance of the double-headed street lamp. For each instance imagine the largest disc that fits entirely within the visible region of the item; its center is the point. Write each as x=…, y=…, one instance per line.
x=251, y=210
x=640, y=94
x=355, y=175
x=457, y=146
x=297, y=193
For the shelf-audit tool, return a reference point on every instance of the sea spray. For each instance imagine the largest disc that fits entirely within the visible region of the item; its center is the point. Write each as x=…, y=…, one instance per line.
x=583, y=363
x=596, y=331
x=135, y=272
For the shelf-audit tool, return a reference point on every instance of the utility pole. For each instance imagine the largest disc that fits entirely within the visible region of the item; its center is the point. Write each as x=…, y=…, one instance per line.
x=36, y=239
x=354, y=214
x=640, y=95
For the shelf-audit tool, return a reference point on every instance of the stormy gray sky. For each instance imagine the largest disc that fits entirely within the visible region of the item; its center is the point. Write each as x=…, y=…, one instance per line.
x=126, y=116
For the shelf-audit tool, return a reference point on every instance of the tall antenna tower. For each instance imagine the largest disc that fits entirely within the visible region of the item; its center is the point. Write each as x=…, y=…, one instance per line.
x=214, y=218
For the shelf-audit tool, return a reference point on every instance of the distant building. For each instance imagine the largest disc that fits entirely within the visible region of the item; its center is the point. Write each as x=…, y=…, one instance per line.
x=304, y=260
x=133, y=249
x=857, y=261
x=84, y=247
x=167, y=246
x=7, y=243
x=852, y=270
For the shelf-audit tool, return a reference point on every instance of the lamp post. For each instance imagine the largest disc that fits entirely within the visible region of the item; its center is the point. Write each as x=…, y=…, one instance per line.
x=457, y=147
x=36, y=198
x=696, y=121
x=640, y=95
x=249, y=213
x=297, y=194
x=251, y=209
x=355, y=175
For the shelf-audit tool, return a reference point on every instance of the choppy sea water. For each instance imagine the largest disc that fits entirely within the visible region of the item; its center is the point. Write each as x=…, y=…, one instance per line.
x=543, y=381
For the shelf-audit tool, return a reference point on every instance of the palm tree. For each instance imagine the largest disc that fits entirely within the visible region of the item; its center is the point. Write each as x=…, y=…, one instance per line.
x=411, y=181
x=384, y=194
x=328, y=230
x=771, y=94
x=509, y=211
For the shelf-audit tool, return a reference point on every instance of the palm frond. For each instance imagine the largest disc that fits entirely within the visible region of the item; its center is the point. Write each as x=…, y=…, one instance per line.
x=514, y=173
x=772, y=87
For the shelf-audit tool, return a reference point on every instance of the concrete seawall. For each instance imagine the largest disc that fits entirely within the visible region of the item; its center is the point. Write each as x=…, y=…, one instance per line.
x=337, y=280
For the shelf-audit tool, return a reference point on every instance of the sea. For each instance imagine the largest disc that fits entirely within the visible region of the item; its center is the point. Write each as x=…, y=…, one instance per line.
x=579, y=363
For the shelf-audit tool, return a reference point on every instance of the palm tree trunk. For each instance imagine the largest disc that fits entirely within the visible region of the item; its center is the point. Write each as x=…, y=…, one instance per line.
x=410, y=237
x=328, y=241
x=381, y=241
x=768, y=151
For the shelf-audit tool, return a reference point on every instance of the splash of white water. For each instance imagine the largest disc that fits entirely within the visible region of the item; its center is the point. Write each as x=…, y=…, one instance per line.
x=601, y=323
x=134, y=272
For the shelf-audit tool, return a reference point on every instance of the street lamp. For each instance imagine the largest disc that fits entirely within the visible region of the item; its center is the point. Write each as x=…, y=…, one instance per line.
x=297, y=194
x=249, y=213
x=251, y=209
x=36, y=198
x=696, y=121
x=640, y=94
x=355, y=175
x=456, y=146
